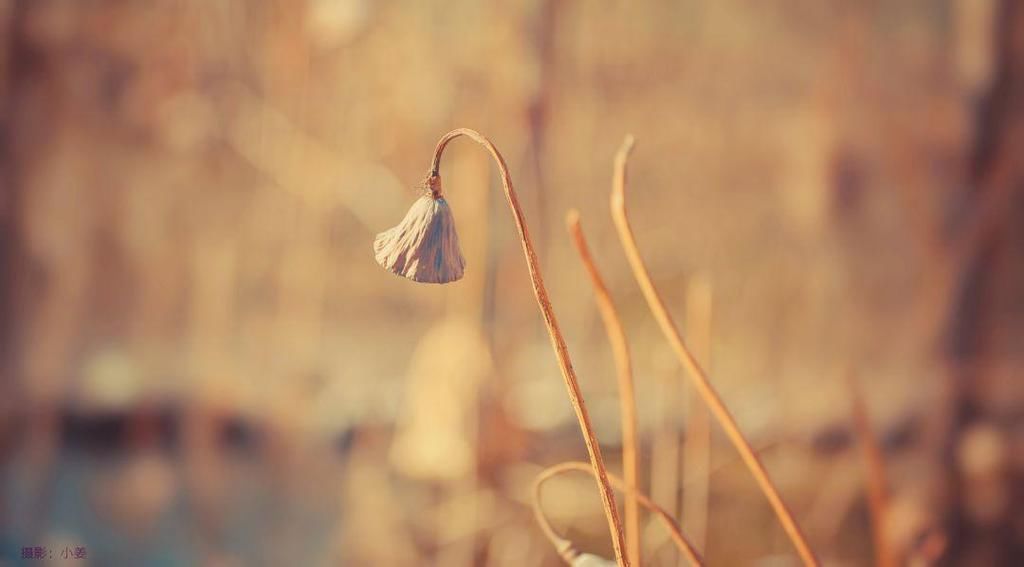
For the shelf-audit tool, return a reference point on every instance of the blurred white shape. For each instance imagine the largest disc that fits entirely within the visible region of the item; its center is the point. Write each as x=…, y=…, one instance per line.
x=589, y=560
x=333, y=23
x=982, y=451
x=110, y=379
x=983, y=459
x=434, y=439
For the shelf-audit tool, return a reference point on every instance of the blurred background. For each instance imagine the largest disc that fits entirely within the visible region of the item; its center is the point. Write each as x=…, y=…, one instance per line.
x=203, y=365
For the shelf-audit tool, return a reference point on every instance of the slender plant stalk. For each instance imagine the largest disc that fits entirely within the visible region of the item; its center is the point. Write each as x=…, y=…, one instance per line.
x=627, y=396
x=697, y=449
x=666, y=447
x=700, y=380
x=565, y=547
x=878, y=498
x=557, y=342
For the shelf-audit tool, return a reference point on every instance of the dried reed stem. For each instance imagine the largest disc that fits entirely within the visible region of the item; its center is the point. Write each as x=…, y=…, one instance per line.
x=565, y=547
x=557, y=342
x=697, y=449
x=689, y=363
x=627, y=397
x=878, y=498
x=666, y=446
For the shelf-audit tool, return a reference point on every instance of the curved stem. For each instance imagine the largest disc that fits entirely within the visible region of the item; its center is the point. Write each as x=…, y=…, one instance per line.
x=565, y=547
x=701, y=382
x=627, y=396
x=557, y=342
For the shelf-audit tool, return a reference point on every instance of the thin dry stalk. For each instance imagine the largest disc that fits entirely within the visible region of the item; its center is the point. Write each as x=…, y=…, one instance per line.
x=557, y=342
x=666, y=446
x=627, y=396
x=697, y=449
x=874, y=462
x=689, y=363
x=565, y=547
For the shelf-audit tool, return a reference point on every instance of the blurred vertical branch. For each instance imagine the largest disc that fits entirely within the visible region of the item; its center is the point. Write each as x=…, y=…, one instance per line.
x=41, y=308
x=986, y=249
x=697, y=449
x=666, y=446
x=874, y=473
x=12, y=68
x=11, y=261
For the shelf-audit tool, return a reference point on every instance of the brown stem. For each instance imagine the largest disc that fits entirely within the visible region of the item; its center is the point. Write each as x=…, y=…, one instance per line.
x=689, y=363
x=697, y=449
x=627, y=397
x=878, y=499
x=565, y=547
x=557, y=342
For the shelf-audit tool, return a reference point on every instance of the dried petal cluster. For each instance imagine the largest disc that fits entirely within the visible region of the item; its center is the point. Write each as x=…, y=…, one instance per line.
x=424, y=247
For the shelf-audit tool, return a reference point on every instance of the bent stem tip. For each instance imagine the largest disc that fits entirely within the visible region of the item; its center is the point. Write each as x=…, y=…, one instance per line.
x=567, y=550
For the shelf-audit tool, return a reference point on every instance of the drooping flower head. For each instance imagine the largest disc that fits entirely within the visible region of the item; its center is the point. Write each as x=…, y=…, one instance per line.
x=424, y=247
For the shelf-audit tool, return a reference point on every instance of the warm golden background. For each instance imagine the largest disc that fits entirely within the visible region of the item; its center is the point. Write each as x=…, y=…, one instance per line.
x=203, y=364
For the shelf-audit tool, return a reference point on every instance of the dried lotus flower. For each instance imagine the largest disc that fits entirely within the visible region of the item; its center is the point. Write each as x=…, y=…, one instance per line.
x=424, y=247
